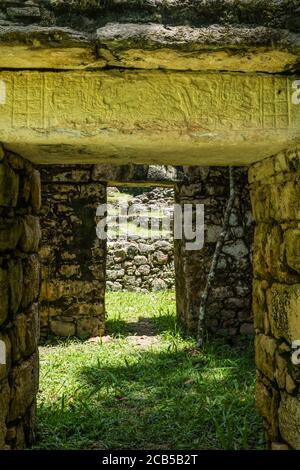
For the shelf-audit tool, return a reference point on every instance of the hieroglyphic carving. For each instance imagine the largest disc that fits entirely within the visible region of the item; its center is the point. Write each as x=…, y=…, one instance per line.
x=27, y=97
x=276, y=103
x=87, y=100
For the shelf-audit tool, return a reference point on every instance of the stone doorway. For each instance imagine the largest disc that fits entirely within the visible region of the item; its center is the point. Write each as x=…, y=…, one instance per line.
x=77, y=266
x=175, y=83
x=274, y=182
x=141, y=259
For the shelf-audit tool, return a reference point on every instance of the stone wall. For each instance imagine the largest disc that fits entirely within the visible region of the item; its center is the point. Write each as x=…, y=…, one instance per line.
x=74, y=270
x=142, y=263
x=73, y=258
x=229, y=305
x=19, y=290
x=142, y=175
x=275, y=195
x=248, y=36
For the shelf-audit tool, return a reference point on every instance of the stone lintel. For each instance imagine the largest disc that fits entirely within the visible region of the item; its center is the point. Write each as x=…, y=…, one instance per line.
x=148, y=117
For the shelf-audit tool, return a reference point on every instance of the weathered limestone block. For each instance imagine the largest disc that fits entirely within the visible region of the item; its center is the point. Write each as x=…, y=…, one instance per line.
x=83, y=309
x=67, y=174
x=18, y=337
x=33, y=329
x=276, y=200
x=19, y=165
x=10, y=232
x=26, y=11
x=285, y=200
x=15, y=275
x=143, y=270
x=62, y=327
x=282, y=165
x=4, y=295
x=279, y=446
x=274, y=188
x=159, y=258
x=24, y=379
x=147, y=174
x=31, y=236
x=284, y=311
x=31, y=289
x=9, y=183
x=90, y=326
x=265, y=348
x=289, y=420
x=259, y=305
x=216, y=119
x=69, y=271
x=292, y=248
x=286, y=373
x=69, y=291
x=25, y=333
x=154, y=46
x=139, y=260
x=4, y=407
x=281, y=371
x=268, y=257
x=29, y=424
x=267, y=402
x=36, y=196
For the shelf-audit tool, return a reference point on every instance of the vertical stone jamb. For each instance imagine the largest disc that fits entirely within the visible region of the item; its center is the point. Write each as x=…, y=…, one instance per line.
x=73, y=258
x=229, y=305
x=275, y=197
x=19, y=289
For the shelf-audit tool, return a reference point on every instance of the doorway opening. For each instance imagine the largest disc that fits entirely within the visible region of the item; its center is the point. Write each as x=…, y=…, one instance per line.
x=142, y=384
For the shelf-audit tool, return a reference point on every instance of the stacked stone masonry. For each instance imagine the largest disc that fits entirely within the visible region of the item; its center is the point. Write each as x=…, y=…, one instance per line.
x=229, y=304
x=248, y=36
x=214, y=87
x=140, y=263
x=19, y=289
x=275, y=195
x=73, y=258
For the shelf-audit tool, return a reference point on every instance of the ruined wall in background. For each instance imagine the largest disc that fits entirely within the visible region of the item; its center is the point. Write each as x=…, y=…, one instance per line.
x=275, y=196
x=74, y=270
x=144, y=260
x=141, y=265
x=73, y=258
x=19, y=289
x=229, y=305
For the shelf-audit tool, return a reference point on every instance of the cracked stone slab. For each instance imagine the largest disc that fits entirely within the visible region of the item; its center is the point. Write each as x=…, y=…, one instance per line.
x=154, y=46
x=252, y=36
x=151, y=117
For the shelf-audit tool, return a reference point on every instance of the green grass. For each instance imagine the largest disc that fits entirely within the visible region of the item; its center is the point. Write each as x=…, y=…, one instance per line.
x=119, y=395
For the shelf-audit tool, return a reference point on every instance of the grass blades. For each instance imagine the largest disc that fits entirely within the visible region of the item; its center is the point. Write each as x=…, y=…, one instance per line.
x=142, y=387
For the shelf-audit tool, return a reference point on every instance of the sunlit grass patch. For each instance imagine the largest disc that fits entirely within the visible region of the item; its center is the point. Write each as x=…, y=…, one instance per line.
x=116, y=395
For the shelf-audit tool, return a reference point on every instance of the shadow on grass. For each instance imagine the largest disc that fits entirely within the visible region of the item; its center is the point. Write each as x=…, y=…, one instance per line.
x=169, y=399
x=156, y=325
